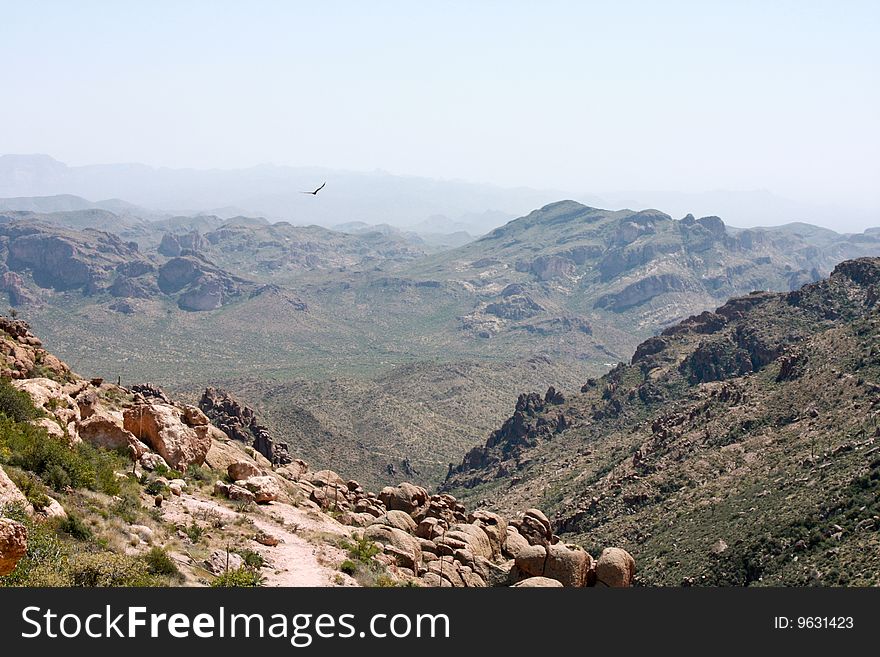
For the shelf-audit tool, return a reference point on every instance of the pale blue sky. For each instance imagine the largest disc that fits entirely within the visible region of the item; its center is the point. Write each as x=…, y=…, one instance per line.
x=603, y=96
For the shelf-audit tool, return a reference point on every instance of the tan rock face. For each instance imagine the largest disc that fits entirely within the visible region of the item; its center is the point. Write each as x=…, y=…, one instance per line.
x=397, y=519
x=105, y=431
x=51, y=397
x=568, y=563
x=538, y=582
x=615, y=568
x=242, y=470
x=400, y=540
x=161, y=427
x=264, y=488
x=514, y=542
x=13, y=544
x=10, y=495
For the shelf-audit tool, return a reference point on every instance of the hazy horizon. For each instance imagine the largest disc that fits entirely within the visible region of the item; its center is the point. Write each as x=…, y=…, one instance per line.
x=681, y=98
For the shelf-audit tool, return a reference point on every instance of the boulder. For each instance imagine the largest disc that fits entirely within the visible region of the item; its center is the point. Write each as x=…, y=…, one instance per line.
x=568, y=563
x=615, y=568
x=151, y=461
x=513, y=543
x=397, y=539
x=474, y=538
x=397, y=519
x=53, y=510
x=535, y=528
x=404, y=497
x=239, y=494
x=161, y=427
x=13, y=544
x=264, y=488
x=294, y=471
x=220, y=561
x=323, y=478
x=194, y=417
x=10, y=495
x=538, y=582
x=264, y=538
x=531, y=560
x=494, y=574
x=429, y=528
x=105, y=431
x=494, y=526
x=243, y=470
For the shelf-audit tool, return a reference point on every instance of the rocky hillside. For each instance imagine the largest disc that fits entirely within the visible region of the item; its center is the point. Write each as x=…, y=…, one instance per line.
x=102, y=485
x=737, y=447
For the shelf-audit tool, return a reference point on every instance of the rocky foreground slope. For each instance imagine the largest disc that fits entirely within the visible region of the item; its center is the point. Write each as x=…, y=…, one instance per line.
x=737, y=447
x=105, y=485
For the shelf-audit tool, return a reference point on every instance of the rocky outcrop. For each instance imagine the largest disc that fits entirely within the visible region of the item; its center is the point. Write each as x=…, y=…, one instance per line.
x=162, y=427
x=21, y=352
x=10, y=495
x=239, y=422
x=642, y=291
x=200, y=285
x=13, y=544
x=173, y=244
x=12, y=284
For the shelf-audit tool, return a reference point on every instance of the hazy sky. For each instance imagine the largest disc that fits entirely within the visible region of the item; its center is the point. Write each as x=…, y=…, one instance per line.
x=590, y=96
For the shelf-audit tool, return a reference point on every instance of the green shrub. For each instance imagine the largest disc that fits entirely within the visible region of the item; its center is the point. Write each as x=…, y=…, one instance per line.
x=252, y=558
x=16, y=404
x=349, y=567
x=75, y=526
x=45, y=563
x=363, y=550
x=194, y=532
x=109, y=569
x=34, y=489
x=238, y=578
x=159, y=563
x=155, y=487
x=84, y=466
x=128, y=507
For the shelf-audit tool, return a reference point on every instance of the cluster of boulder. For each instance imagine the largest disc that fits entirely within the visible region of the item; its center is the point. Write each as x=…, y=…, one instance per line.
x=434, y=540
x=252, y=484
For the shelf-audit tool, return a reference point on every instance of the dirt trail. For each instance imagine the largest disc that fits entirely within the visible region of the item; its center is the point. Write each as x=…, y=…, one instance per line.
x=295, y=561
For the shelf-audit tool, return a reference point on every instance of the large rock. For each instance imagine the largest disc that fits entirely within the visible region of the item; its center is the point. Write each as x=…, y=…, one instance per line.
x=161, y=426
x=531, y=560
x=10, y=495
x=615, y=567
x=404, y=497
x=51, y=397
x=265, y=488
x=243, y=470
x=535, y=527
x=106, y=431
x=538, y=582
x=568, y=563
x=397, y=519
x=398, y=539
x=495, y=527
x=474, y=538
x=513, y=543
x=13, y=544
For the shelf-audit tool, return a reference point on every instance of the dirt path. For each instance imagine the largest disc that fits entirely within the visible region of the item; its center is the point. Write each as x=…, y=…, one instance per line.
x=295, y=561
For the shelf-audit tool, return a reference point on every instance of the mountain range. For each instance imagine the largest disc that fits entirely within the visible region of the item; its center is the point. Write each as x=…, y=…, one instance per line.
x=307, y=324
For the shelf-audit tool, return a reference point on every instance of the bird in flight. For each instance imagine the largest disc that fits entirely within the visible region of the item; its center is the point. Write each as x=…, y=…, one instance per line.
x=315, y=193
